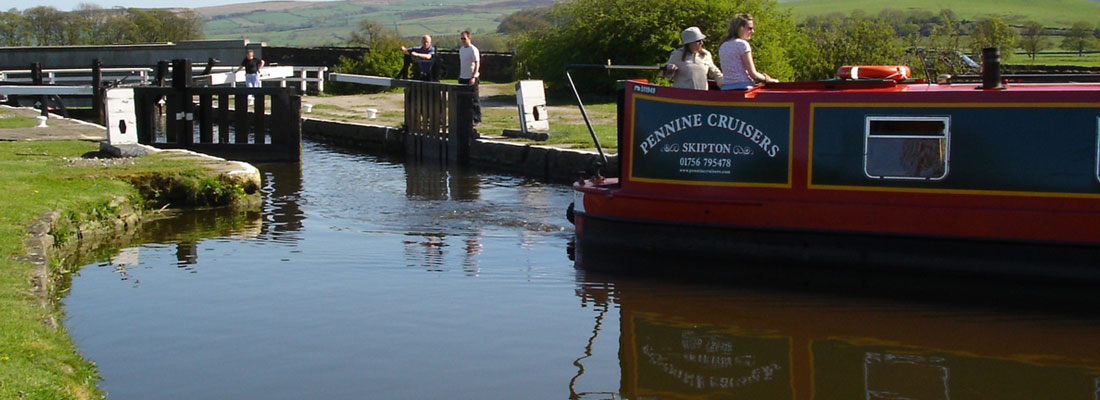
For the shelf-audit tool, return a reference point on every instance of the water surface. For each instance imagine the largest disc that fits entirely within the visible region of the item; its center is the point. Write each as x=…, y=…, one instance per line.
x=368, y=278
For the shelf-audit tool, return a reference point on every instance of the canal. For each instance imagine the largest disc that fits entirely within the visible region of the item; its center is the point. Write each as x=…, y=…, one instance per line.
x=365, y=277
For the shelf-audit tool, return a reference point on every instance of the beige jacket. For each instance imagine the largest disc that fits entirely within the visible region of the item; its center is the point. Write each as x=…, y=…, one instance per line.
x=693, y=72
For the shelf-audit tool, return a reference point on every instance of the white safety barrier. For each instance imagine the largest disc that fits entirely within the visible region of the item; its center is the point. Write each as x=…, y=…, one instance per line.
x=296, y=75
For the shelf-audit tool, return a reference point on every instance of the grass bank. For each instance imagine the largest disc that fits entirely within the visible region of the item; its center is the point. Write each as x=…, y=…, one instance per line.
x=37, y=361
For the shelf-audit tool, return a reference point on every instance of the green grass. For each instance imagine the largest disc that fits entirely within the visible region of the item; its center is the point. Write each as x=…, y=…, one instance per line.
x=1050, y=13
x=1087, y=60
x=37, y=362
x=570, y=133
x=9, y=120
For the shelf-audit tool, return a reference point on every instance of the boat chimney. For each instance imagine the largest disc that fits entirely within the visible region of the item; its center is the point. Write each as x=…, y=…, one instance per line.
x=991, y=68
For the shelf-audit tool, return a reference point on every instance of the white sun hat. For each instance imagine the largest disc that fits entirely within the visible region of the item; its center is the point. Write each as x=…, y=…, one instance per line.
x=690, y=35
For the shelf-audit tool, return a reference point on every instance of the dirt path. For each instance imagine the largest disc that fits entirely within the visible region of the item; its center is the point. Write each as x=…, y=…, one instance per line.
x=57, y=128
x=498, y=102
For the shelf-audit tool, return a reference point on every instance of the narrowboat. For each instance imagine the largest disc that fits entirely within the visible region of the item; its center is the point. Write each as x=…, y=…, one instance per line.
x=985, y=179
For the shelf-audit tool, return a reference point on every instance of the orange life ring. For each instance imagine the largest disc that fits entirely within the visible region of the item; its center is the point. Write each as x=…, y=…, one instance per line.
x=895, y=72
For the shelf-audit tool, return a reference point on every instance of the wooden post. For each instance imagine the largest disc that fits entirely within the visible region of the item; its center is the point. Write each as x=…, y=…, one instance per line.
x=36, y=79
x=292, y=129
x=184, y=117
x=162, y=72
x=258, y=119
x=98, y=98
x=240, y=111
x=223, y=118
x=205, y=118
x=462, y=132
x=143, y=107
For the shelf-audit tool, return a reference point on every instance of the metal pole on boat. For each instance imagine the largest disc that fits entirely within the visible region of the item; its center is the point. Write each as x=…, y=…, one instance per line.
x=603, y=158
x=584, y=113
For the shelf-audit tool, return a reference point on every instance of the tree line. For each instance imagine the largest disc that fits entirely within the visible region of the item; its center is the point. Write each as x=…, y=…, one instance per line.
x=642, y=32
x=90, y=24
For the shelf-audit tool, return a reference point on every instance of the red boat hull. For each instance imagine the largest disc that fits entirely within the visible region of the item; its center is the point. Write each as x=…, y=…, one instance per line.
x=930, y=180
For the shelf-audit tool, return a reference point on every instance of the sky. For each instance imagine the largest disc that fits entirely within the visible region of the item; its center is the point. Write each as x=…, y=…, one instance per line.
x=68, y=5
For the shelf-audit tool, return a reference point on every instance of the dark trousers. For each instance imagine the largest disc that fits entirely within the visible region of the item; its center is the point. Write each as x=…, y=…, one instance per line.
x=475, y=102
x=431, y=75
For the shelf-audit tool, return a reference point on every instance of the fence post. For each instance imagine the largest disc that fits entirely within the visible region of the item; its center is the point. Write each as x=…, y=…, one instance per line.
x=36, y=79
x=182, y=115
x=98, y=100
x=462, y=129
x=146, y=115
x=162, y=72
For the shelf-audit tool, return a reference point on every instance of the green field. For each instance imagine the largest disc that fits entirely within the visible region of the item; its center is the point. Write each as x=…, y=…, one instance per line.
x=331, y=23
x=1050, y=13
x=1087, y=60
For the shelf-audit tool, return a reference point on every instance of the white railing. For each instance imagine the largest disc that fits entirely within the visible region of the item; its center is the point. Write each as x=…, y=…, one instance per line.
x=300, y=75
x=79, y=75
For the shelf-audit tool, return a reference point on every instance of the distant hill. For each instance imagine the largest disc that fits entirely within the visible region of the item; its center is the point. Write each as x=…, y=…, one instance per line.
x=316, y=23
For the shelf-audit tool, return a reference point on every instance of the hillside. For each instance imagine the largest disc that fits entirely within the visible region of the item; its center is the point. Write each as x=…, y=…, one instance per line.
x=304, y=23
x=313, y=23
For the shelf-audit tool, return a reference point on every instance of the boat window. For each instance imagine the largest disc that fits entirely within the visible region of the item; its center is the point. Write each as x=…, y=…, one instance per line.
x=906, y=147
x=1098, y=162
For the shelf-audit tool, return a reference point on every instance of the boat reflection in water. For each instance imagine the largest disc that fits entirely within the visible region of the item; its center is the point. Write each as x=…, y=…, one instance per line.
x=697, y=342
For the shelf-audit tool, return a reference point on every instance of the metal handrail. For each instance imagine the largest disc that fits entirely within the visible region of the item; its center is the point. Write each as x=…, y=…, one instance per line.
x=584, y=113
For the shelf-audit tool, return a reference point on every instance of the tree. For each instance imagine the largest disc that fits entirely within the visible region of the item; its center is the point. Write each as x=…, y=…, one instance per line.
x=182, y=25
x=1032, y=40
x=992, y=32
x=371, y=33
x=119, y=30
x=938, y=52
x=90, y=24
x=1079, y=38
x=383, y=57
x=160, y=25
x=852, y=40
x=44, y=25
x=642, y=32
x=535, y=19
x=13, y=28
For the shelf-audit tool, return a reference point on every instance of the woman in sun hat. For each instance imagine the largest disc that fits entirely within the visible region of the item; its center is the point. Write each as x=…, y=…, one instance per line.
x=690, y=65
x=736, y=56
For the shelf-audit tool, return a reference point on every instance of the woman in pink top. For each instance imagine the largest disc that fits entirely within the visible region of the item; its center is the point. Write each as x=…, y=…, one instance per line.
x=735, y=54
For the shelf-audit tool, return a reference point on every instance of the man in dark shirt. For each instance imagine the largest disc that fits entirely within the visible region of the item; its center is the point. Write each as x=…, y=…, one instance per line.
x=425, y=60
x=251, y=66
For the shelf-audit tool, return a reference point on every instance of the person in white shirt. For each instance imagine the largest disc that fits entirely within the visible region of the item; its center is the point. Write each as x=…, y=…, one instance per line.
x=738, y=70
x=469, y=60
x=691, y=65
